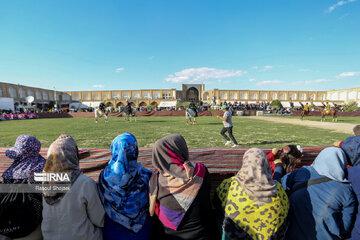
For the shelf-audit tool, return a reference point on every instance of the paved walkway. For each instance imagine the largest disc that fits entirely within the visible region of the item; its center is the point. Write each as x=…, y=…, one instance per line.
x=337, y=127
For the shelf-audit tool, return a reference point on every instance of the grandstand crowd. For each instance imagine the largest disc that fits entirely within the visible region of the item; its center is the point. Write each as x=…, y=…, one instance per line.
x=267, y=199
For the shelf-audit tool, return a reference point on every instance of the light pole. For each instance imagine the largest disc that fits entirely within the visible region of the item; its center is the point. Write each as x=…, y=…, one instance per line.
x=55, y=97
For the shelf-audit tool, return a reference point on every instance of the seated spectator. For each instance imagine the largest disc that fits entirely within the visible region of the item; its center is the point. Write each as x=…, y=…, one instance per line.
x=251, y=205
x=77, y=214
x=289, y=156
x=351, y=147
x=179, y=192
x=23, y=222
x=123, y=189
x=322, y=202
x=356, y=131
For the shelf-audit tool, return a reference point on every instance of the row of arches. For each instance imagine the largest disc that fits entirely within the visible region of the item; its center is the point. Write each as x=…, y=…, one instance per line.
x=267, y=96
x=120, y=104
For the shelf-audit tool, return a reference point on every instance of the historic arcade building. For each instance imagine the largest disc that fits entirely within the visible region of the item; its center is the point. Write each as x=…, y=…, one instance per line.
x=169, y=97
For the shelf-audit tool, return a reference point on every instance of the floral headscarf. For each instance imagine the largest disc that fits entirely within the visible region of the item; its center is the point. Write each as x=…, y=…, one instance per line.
x=27, y=159
x=123, y=185
x=62, y=156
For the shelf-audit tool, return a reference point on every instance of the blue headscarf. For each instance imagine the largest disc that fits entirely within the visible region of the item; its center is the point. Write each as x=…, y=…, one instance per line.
x=331, y=162
x=123, y=185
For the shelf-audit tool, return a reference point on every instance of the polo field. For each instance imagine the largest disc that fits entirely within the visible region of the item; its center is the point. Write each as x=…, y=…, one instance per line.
x=249, y=131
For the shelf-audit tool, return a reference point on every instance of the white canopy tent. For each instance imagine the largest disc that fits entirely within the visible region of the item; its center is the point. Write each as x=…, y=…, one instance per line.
x=167, y=104
x=78, y=105
x=285, y=104
x=91, y=104
x=317, y=104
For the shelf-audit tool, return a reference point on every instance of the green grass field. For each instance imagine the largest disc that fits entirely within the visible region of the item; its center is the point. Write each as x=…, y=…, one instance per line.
x=248, y=132
x=353, y=120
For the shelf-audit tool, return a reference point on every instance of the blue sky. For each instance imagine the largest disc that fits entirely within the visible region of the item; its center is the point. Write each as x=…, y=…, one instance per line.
x=240, y=44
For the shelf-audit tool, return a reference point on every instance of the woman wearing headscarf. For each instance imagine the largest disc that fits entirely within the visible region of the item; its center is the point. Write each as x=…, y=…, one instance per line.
x=123, y=188
x=179, y=192
x=251, y=205
x=27, y=161
x=78, y=213
x=322, y=202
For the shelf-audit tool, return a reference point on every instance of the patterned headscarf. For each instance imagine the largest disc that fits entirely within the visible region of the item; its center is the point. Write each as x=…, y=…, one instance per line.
x=27, y=159
x=254, y=177
x=331, y=162
x=123, y=185
x=175, y=182
x=62, y=156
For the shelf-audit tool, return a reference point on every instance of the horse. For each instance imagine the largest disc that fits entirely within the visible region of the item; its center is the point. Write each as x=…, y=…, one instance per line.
x=100, y=113
x=304, y=112
x=190, y=113
x=332, y=112
x=128, y=116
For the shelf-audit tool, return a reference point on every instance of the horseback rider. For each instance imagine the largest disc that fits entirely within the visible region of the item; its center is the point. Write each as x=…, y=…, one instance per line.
x=327, y=108
x=306, y=107
x=128, y=107
x=192, y=106
x=101, y=112
x=102, y=107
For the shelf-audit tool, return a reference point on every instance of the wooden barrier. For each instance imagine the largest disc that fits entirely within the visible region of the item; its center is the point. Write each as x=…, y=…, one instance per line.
x=222, y=163
x=138, y=113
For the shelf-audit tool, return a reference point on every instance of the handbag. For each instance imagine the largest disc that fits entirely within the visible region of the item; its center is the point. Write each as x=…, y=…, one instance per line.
x=20, y=213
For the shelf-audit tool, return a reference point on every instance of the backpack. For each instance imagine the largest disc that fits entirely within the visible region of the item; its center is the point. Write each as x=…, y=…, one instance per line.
x=20, y=213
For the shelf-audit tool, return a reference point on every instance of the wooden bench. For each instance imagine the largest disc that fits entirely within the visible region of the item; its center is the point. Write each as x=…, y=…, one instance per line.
x=222, y=163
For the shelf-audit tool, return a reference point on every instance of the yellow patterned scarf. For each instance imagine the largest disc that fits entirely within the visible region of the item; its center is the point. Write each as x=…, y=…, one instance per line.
x=260, y=222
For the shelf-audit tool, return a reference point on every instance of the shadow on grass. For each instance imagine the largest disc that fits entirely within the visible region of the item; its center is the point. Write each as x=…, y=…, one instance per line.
x=155, y=121
x=267, y=142
x=217, y=123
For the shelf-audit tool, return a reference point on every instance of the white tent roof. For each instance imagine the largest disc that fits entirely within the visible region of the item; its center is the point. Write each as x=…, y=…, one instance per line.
x=92, y=104
x=78, y=105
x=317, y=104
x=285, y=104
x=167, y=104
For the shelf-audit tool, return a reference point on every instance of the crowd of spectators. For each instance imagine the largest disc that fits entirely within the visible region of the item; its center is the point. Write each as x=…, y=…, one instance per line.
x=267, y=199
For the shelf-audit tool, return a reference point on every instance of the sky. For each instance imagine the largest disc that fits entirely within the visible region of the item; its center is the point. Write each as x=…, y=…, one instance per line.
x=234, y=44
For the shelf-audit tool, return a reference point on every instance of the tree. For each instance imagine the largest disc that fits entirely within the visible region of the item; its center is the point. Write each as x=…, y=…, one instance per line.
x=183, y=104
x=351, y=106
x=276, y=104
x=51, y=104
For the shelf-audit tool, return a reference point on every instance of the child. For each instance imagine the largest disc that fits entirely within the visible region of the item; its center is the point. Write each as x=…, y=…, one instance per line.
x=289, y=156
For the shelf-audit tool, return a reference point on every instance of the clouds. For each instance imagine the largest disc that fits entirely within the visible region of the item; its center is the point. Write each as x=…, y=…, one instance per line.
x=266, y=68
x=339, y=4
x=98, y=86
x=252, y=79
x=119, y=69
x=308, y=82
x=347, y=74
x=195, y=75
x=268, y=82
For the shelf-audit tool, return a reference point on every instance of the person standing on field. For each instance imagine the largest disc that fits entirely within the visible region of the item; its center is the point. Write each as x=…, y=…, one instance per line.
x=226, y=118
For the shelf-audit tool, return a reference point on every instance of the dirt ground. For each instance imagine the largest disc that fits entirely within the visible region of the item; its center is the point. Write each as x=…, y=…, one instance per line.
x=337, y=127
